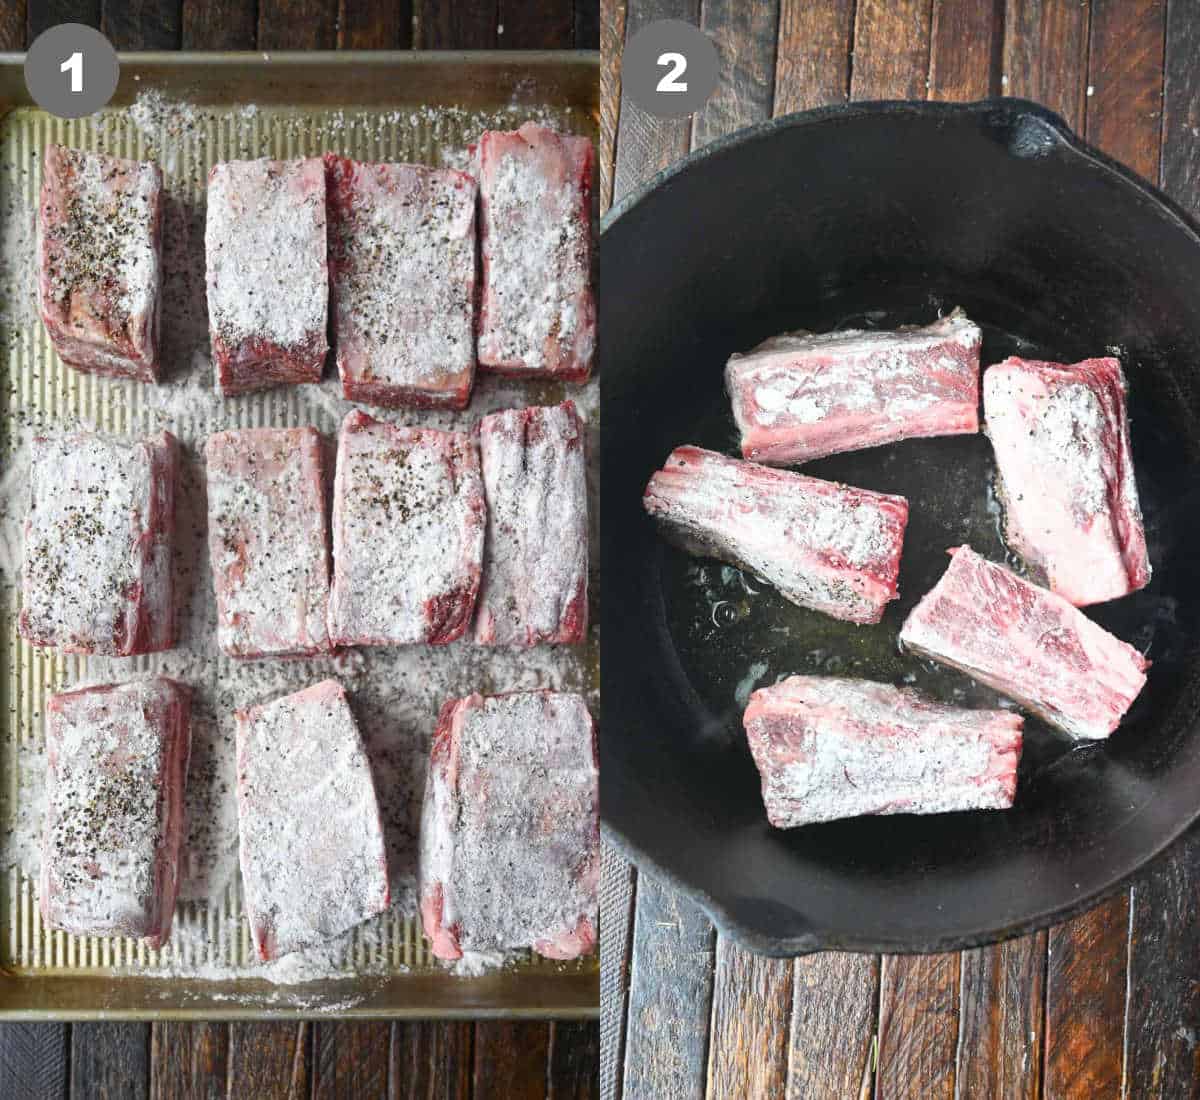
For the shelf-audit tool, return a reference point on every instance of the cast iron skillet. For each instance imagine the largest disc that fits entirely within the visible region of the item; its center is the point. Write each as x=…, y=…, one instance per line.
x=881, y=214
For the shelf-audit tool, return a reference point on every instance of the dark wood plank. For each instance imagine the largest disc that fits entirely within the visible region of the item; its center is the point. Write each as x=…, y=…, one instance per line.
x=1085, y=1003
x=964, y=53
x=891, y=49
x=110, y=1061
x=374, y=25
x=218, y=25
x=574, y=1061
x=646, y=143
x=1000, y=1020
x=812, y=67
x=1125, y=75
x=752, y=1002
x=1045, y=54
x=143, y=24
x=510, y=1060
x=350, y=1060
x=297, y=24
x=612, y=41
x=13, y=25
x=49, y=13
x=546, y=25
x=455, y=24
x=431, y=1060
x=270, y=1061
x=670, y=994
x=617, y=898
x=1180, y=171
x=745, y=36
x=587, y=24
x=34, y=1060
x=833, y=1025
x=189, y=1061
x=918, y=1026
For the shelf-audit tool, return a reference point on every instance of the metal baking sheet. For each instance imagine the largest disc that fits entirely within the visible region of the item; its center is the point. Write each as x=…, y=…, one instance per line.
x=189, y=111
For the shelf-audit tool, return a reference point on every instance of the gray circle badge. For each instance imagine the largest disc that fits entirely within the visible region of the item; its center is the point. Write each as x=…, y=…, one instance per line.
x=71, y=70
x=669, y=68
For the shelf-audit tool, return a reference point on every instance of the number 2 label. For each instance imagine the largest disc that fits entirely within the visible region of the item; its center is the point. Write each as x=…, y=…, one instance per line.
x=671, y=82
x=74, y=66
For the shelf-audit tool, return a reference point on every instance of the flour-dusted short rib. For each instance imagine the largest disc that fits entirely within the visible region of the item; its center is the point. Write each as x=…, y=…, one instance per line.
x=802, y=396
x=117, y=766
x=100, y=261
x=268, y=286
x=311, y=843
x=1071, y=510
x=408, y=529
x=537, y=311
x=827, y=546
x=510, y=830
x=1028, y=644
x=97, y=573
x=267, y=540
x=828, y=748
x=535, y=563
x=402, y=264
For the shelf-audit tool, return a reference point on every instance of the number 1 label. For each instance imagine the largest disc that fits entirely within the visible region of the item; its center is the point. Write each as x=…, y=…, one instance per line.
x=74, y=66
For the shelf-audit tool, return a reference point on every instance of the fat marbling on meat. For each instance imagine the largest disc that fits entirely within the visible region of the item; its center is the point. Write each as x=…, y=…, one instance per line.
x=1061, y=438
x=801, y=396
x=826, y=546
x=829, y=748
x=1027, y=643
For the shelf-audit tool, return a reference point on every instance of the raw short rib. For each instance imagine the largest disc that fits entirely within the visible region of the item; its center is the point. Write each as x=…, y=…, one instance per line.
x=97, y=576
x=1071, y=511
x=402, y=265
x=828, y=748
x=537, y=315
x=827, y=546
x=536, y=559
x=1026, y=643
x=118, y=760
x=800, y=396
x=268, y=285
x=408, y=528
x=311, y=842
x=267, y=540
x=100, y=261
x=510, y=830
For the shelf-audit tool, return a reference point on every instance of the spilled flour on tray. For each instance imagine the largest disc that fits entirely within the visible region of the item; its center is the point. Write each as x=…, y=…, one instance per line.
x=395, y=693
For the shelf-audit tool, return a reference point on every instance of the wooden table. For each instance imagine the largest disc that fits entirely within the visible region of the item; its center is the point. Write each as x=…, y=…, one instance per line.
x=325, y=1059
x=1102, y=1006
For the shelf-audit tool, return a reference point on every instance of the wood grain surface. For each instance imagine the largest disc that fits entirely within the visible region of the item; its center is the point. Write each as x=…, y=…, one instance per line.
x=1107, y=1005
x=327, y=1059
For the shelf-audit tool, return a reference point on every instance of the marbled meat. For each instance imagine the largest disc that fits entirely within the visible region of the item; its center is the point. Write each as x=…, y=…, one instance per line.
x=801, y=396
x=1026, y=643
x=826, y=546
x=828, y=748
x=510, y=830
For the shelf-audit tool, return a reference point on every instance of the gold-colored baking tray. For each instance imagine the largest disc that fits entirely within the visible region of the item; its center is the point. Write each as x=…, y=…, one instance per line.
x=189, y=111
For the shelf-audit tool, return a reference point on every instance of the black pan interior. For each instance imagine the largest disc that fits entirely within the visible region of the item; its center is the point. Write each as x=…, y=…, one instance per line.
x=873, y=216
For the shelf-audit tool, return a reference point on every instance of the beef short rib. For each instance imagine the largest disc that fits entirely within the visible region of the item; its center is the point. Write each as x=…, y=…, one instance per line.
x=537, y=312
x=402, y=265
x=801, y=396
x=828, y=748
x=100, y=261
x=118, y=760
x=408, y=529
x=826, y=546
x=534, y=586
x=1028, y=644
x=311, y=842
x=268, y=286
x=97, y=575
x=510, y=830
x=267, y=540
x=1061, y=439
